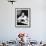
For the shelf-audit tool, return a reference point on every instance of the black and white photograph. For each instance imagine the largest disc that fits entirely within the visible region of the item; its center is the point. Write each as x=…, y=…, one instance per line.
x=23, y=17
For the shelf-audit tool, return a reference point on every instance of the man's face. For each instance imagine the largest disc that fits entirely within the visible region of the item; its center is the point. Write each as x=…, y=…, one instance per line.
x=22, y=14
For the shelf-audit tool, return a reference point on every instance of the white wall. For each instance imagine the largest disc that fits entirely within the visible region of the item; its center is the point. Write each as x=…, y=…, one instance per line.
x=8, y=31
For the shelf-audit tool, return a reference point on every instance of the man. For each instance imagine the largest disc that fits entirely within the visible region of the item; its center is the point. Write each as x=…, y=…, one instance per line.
x=23, y=18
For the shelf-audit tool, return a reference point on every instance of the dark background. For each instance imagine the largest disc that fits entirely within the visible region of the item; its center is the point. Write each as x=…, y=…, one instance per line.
x=23, y=11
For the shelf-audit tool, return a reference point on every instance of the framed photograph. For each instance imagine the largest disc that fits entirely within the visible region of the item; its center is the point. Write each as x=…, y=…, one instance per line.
x=22, y=17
